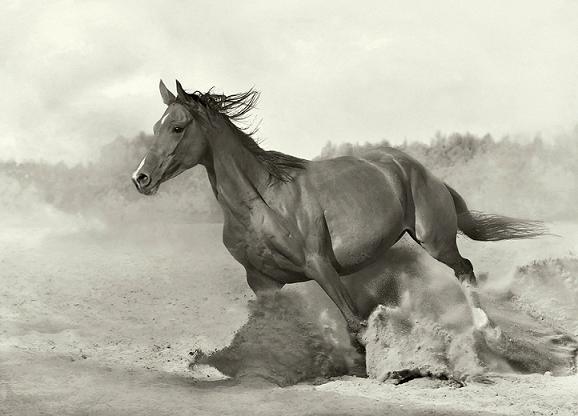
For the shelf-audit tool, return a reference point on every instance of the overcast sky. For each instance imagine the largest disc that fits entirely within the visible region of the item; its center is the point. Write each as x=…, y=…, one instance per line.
x=76, y=74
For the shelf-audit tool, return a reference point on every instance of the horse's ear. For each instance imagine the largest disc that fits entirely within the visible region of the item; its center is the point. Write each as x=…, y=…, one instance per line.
x=181, y=92
x=168, y=97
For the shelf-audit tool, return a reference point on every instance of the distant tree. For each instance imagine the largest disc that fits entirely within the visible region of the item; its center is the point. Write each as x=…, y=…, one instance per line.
x=536, y=179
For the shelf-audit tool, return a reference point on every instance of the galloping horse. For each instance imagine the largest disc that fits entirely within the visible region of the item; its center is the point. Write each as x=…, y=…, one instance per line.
x=289, y=220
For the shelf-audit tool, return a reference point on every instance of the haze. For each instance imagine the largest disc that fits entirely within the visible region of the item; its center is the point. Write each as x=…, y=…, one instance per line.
x=78, y=74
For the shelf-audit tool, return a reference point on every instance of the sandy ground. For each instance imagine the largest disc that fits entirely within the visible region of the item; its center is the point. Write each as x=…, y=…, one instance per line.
x=104, y=322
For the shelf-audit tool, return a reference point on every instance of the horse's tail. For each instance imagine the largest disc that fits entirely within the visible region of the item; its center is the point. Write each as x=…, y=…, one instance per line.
x=489, y=227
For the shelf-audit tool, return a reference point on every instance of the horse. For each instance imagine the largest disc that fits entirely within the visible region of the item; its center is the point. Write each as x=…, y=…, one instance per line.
x=289, y=220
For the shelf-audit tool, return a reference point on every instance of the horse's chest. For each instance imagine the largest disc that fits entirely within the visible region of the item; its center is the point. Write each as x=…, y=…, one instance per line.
x=262, y=246
x=249, y=248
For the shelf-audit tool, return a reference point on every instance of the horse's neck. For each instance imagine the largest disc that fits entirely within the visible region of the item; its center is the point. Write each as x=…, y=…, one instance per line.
x=235, y=174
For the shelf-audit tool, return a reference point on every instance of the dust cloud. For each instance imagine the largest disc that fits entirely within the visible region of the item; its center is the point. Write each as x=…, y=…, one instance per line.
x=282, y=344
x=426, y=331
x=420, y=325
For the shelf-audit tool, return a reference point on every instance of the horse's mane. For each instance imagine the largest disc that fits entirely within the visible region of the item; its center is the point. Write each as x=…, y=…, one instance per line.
x=235, y=108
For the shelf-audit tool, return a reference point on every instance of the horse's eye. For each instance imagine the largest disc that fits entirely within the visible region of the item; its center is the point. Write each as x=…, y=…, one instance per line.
x=177, y=129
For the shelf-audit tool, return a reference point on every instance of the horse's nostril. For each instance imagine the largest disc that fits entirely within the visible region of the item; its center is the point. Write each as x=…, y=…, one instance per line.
x=143, y=179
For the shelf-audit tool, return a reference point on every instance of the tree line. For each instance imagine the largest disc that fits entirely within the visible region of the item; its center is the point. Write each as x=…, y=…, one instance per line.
x=530, y=179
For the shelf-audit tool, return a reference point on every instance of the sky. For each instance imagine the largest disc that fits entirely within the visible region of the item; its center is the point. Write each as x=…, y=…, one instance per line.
x=77, y=74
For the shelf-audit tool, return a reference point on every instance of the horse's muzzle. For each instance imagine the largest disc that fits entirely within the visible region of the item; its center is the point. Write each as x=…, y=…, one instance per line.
x=141, y=181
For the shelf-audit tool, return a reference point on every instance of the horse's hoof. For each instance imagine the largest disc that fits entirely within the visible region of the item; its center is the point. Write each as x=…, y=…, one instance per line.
x=483, y=325
x=481, y=320
x=491, y=333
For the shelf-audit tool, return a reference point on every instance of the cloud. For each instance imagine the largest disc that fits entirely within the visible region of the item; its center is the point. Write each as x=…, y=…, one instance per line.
x=78, y=74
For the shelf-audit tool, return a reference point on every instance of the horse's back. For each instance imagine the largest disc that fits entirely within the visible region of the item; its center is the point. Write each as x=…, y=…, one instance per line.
x=383, y=194
x=356, y=184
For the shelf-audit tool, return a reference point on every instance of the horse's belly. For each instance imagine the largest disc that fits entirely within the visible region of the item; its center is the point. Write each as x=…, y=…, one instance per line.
x=353, y=251
x=363, y=229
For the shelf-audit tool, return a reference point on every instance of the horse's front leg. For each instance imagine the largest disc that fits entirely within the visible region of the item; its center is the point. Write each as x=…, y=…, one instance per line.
x=320, y=269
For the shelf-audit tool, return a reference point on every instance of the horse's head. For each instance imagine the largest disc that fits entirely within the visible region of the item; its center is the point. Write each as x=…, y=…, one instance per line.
x=179, y=143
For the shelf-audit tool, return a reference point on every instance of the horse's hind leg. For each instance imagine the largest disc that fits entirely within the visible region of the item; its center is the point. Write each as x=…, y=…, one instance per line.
x=436, y=227
x=464, y=272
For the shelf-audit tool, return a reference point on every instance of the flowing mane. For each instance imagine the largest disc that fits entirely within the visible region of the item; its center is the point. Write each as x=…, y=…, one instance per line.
x=235, y=109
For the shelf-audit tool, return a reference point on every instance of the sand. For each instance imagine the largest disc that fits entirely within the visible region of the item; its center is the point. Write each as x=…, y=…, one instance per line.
x=101, y=322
